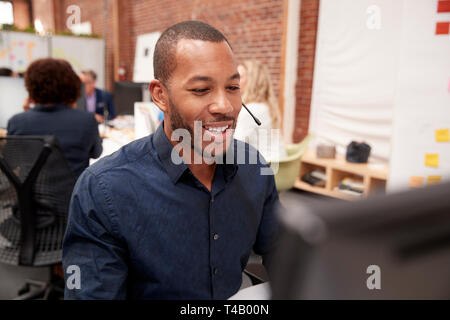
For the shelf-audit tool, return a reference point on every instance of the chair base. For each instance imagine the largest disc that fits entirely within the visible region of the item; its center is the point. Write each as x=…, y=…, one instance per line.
x=43, y=290
x=39, y=290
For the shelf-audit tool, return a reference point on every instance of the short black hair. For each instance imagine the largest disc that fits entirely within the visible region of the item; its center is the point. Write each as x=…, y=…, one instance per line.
x=164, y=61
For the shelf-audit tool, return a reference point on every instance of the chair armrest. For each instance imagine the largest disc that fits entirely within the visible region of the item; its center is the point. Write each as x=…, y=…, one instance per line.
x=257, y=273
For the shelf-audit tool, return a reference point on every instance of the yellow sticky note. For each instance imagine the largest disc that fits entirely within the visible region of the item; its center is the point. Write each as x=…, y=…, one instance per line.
x=434, y=180
x=442, y=135
x=432, y=160
x=416, y=182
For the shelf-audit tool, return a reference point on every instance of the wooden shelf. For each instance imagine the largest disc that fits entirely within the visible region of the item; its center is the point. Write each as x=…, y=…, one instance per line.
x=373, y=176
x=331, y=193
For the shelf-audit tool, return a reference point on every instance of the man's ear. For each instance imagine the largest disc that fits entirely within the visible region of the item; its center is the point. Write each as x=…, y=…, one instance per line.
x=159, y=95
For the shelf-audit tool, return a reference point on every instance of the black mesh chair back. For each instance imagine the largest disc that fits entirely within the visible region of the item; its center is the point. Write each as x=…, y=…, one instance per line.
x=36, y=183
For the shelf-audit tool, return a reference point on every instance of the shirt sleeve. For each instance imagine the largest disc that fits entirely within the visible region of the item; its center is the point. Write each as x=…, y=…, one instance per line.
x=268, y=231
x=92, y=244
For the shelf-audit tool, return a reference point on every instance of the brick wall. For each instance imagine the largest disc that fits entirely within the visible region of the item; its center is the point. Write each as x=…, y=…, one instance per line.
x=94, y=12
x=252, y=26
x=21, y=11
x=44, y=11
x=309, y=13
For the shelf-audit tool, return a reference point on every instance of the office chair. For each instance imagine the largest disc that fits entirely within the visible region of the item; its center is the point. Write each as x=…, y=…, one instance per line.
x=289, y=166
x=36, y=183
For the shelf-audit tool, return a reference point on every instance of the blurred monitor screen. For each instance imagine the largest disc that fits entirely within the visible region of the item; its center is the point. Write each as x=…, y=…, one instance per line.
x=385, y=247
x=126, y=94
x=12, y=96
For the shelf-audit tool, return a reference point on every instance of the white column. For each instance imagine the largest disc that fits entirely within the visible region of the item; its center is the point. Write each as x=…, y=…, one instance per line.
x=290, y=74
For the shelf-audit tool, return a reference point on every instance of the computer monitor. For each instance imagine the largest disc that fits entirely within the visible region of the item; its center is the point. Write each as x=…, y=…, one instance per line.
x=386, y=247
x=126, y=94
x=12, y=97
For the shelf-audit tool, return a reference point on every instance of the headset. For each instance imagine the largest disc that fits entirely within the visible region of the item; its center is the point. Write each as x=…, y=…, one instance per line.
x=254, y=118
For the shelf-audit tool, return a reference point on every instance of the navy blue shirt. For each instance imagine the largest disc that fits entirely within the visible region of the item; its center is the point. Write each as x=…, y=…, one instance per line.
x=142, y=227
x=76, y=131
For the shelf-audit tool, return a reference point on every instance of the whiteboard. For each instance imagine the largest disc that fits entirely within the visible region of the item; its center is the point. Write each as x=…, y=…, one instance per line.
x=19, y=49
x=82, y=53
x=12, y=98
x=422, y=103
x=143, y=61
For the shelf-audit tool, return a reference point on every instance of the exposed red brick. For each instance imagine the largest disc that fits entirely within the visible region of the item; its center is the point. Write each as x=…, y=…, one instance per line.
x=21, y=12
x=254, y=28
x=309, y=12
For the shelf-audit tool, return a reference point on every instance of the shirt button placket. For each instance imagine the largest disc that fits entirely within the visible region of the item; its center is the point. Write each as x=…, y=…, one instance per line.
x=212, y=246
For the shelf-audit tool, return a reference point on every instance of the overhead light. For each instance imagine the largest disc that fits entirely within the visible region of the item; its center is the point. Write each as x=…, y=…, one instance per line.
x=39, y=27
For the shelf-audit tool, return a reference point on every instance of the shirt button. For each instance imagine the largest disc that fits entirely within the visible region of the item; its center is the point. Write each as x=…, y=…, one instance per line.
x=215, y=271
x=216, y=236
x=212, y=200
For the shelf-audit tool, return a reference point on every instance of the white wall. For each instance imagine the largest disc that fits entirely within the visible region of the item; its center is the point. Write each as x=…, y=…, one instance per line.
x=355, y=73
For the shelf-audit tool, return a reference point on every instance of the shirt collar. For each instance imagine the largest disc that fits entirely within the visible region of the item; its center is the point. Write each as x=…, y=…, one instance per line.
x=51, y=108
x=164, y=150
x=175, y=171
x=92, y=95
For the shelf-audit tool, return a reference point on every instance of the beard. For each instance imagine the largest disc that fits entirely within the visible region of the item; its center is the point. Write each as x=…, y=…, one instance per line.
x=178, y=122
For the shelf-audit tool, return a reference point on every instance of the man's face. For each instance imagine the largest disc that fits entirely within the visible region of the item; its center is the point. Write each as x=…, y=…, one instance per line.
x=89, y=84
x=204, y=87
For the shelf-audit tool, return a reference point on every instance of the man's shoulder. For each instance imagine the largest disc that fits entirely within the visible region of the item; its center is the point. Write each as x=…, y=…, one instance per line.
x=123, y=159
x=103, y=92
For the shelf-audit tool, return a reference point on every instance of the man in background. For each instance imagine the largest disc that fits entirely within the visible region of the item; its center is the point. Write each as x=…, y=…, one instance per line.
x=7, y=72
x=95, y=100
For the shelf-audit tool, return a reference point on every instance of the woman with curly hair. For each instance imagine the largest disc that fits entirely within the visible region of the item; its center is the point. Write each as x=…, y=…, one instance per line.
x=257, y=93
x=54, y=87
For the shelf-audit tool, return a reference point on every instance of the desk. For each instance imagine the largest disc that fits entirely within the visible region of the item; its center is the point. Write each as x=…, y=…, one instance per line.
x=117, y=136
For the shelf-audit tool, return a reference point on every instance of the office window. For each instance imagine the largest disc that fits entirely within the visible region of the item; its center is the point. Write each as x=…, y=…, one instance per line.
x=6, y=13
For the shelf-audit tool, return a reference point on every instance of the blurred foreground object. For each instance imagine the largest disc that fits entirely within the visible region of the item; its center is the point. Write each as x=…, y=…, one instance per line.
x=385, y=247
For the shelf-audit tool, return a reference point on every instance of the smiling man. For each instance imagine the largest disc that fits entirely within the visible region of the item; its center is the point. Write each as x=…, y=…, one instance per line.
x=155, y=221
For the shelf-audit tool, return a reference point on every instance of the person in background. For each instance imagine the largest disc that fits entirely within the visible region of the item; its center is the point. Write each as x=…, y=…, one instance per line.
x=53, y=87
x=7, y=72
x=257, y=94
x=95, y=100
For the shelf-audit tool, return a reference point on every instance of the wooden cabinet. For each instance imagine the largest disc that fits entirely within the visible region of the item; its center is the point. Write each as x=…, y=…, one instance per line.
x=374, y=176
